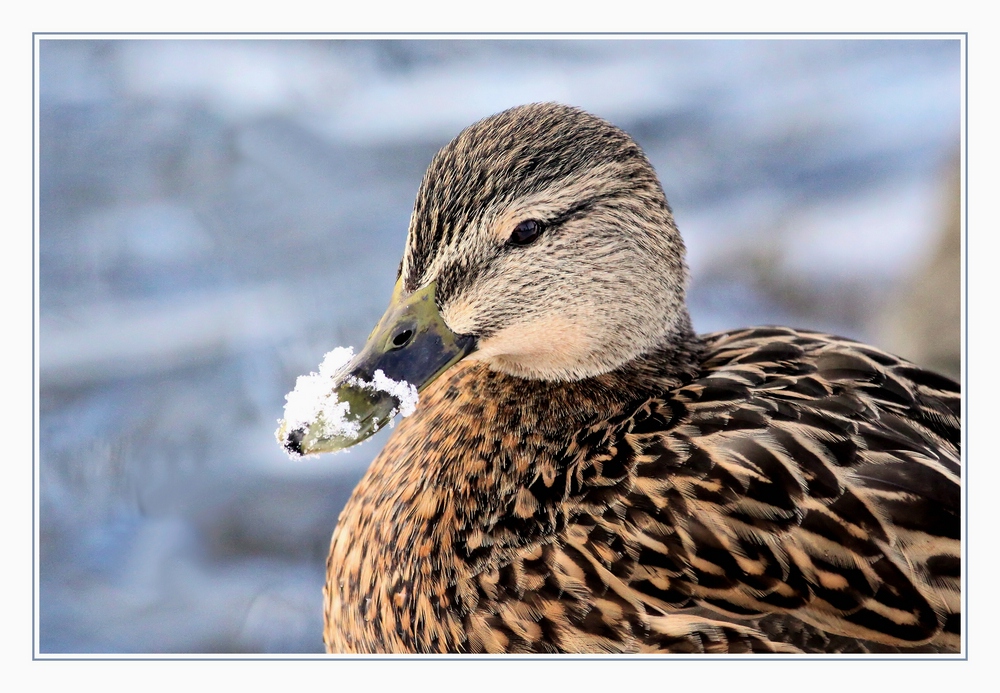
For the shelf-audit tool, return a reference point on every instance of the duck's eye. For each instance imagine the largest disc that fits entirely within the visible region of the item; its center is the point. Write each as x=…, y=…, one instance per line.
x=526, y=233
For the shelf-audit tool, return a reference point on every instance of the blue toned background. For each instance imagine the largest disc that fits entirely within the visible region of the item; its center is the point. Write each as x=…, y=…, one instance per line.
x=215, y=215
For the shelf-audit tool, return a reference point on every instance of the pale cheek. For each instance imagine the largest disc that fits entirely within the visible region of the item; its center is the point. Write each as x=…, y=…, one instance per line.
x=550, y=343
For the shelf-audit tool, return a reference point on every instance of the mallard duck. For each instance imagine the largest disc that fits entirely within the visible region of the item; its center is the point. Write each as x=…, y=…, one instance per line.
x=585, y=474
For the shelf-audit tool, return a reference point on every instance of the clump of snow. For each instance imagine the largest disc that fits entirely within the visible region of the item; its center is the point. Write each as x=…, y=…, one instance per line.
x=313, y=397
x=334, y=361
x=402, y=391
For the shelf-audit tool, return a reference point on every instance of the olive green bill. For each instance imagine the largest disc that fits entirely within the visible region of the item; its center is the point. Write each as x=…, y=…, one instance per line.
x=409, y=348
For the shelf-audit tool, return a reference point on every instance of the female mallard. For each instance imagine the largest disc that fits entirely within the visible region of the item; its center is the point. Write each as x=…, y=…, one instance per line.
x=593, y=476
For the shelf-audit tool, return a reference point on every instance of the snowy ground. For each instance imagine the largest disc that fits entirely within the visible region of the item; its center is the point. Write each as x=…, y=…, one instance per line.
x=216, y=215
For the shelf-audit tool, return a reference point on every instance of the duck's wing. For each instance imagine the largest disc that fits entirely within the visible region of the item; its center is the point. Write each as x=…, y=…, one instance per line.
x=801, y=494
x=805, y=485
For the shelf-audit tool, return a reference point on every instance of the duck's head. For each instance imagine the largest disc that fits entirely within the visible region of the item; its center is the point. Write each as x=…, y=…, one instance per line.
x=540, y=243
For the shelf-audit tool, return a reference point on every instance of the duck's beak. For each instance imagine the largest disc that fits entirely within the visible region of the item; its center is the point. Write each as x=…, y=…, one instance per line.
x=409, y=348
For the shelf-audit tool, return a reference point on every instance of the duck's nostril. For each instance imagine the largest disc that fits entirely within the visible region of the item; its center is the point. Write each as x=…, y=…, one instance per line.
x=402, y=339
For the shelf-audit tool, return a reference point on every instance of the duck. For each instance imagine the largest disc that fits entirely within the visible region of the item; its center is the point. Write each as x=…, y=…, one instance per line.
x=583, y=473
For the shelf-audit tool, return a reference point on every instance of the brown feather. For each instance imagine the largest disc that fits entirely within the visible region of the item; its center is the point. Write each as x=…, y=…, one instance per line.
x=683, y=515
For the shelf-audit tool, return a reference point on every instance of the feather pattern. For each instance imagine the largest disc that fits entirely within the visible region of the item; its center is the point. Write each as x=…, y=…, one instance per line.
x=797, y=491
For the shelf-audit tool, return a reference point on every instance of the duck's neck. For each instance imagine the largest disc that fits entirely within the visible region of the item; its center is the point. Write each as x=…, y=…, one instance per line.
x=481, y=469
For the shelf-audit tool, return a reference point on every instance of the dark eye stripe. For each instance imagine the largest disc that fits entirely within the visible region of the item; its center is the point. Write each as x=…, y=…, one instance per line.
x=526, y=233
x=580, y=209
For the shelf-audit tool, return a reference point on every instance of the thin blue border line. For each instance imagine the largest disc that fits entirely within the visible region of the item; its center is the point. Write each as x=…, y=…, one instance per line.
x=34, y=377
x=964, y=35
x=965, y=365
x=417, y=657
x=509, y=33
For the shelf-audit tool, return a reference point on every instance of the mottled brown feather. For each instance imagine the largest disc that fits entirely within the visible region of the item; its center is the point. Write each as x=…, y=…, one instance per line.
x=716, y=510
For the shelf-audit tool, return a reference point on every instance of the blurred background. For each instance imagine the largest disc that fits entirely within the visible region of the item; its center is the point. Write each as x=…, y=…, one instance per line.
x=215, y=215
